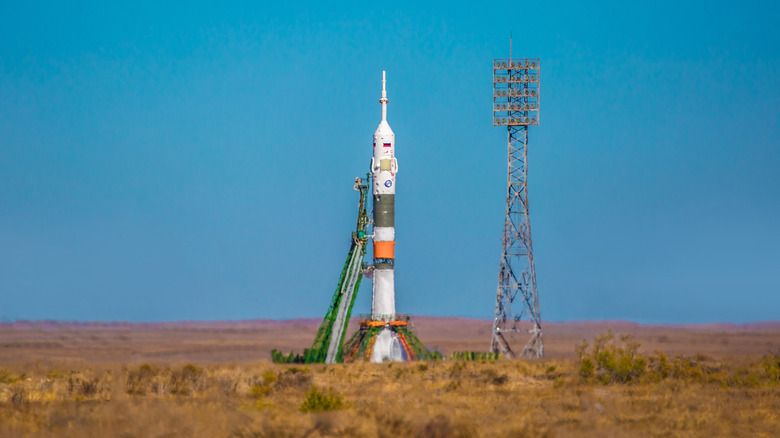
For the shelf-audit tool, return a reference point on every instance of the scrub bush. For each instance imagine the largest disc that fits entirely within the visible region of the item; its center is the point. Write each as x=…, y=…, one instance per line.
x=772, y=367
x=608, y=361
x=317, y=401
x=186, y=380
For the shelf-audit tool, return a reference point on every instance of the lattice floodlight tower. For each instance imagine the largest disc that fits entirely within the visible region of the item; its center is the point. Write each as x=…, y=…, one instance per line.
x=516, y=106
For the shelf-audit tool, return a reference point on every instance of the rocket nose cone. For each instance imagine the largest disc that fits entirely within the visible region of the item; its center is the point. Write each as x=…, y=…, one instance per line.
x=383, y=129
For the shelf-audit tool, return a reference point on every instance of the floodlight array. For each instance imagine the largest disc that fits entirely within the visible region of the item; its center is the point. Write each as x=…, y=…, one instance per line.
x=515, y=92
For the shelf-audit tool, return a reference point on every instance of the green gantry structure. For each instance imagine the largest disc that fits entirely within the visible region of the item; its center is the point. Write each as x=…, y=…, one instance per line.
x=327, y=346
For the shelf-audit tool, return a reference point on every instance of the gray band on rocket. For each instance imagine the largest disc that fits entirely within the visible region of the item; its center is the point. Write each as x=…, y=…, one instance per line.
x=384, y=210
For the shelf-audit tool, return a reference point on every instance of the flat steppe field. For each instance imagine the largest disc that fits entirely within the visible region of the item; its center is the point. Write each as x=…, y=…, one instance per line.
x=215, y=379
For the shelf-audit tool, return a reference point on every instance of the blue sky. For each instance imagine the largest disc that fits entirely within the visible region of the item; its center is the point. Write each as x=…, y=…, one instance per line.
x=194, y=161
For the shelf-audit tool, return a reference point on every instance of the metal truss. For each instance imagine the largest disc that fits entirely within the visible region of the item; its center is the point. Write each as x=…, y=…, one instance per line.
x=517, y=299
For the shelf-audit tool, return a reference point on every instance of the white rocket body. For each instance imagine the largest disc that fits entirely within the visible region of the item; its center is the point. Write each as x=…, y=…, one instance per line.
x=384, y=168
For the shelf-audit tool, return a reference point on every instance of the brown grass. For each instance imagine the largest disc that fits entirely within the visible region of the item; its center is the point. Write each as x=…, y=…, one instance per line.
x=698, y=396
x=133, y=380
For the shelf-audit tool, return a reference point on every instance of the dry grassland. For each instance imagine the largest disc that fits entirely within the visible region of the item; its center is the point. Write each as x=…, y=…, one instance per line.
x=712, y=382
x=437, y=399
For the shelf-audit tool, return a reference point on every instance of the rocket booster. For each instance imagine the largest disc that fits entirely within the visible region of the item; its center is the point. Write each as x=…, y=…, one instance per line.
x=384, y=168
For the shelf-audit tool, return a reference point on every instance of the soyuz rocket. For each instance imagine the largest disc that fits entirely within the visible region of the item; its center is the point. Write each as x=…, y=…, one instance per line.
x=384, y=168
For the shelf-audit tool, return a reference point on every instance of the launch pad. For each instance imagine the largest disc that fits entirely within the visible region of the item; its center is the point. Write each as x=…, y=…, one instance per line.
x=402, y=343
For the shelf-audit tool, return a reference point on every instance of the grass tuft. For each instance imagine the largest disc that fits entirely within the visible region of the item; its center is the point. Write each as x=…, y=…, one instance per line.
x=317, y=401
